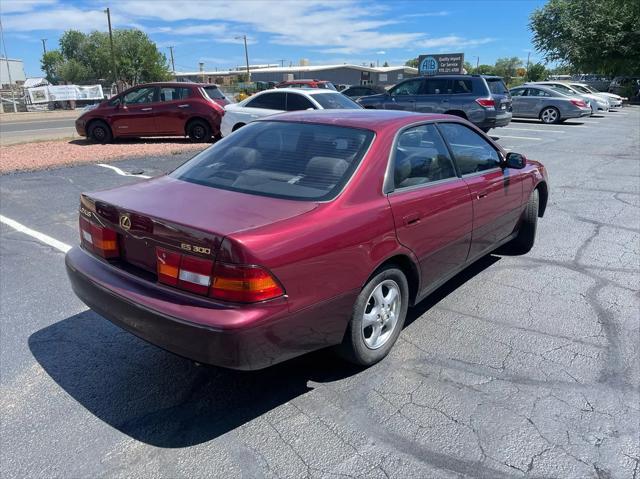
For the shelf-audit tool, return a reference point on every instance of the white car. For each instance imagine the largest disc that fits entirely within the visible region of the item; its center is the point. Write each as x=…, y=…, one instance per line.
x=614, y=100
x=270, y=102
x=597, y=103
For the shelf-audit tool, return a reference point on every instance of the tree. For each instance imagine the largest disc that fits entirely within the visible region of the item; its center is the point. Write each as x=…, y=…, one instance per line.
x=595, y=36
x=469, y=68
x=49, y=64
x=72, y=71
x=386, y=64
x=507, y=67
x=412, y=63
x=485, y=70
x=87, y=58
x=536, y=72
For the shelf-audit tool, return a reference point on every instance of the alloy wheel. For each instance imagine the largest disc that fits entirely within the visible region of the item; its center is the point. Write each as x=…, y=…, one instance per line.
x=381, y=314
x=549, y=115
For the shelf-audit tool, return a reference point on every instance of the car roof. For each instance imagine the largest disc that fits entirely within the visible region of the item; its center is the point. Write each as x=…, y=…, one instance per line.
x=168, y=83
x=375, y=120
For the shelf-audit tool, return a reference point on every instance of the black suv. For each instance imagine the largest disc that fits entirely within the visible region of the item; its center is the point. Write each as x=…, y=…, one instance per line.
x=483, y=100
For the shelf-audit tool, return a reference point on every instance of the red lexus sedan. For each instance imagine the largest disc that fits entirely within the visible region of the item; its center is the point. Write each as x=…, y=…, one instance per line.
x=301, y=231
x=157, y=109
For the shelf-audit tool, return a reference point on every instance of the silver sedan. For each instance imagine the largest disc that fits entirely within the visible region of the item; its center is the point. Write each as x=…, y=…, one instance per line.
x=547, y=104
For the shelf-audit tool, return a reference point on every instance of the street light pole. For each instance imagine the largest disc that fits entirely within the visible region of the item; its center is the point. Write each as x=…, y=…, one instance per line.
x=173, y=65
x=44, y=45
x=113, y=53
x=6, y=59
x=246, y=55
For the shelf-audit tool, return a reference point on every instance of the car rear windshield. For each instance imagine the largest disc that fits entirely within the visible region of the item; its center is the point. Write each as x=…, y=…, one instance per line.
x=327, y=86
x=299, y=161
x=496, y=85
x=214, y=92
x=333, y=101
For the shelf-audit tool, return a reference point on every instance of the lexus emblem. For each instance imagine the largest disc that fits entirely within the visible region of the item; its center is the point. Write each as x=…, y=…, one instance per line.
x=125, y=222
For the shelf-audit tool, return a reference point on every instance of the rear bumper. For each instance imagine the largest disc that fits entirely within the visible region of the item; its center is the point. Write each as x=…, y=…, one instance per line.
x=237, y=337
x=501, y=118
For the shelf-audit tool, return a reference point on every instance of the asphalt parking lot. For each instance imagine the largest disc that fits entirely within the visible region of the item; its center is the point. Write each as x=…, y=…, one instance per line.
x=519, y=366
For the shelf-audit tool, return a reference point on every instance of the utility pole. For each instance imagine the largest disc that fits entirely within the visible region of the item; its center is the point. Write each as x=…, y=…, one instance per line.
x=173, y=65
x=528, y=57
x=477, y=62
x=6, y=59
x=113, y=53
x=246, y=55
x=282, y=62
x=44, y=45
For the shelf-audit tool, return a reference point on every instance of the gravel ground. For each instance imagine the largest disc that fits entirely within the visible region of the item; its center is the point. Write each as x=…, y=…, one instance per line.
x=46, y=154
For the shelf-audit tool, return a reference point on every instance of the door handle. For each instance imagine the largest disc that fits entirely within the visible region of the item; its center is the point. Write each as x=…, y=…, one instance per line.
x=183, y=106
x=481, y=194
x=411, y=219
x=147, y=109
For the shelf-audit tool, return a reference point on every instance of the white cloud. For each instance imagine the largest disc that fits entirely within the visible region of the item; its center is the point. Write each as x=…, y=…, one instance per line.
x=60, y=19
x=19, y=6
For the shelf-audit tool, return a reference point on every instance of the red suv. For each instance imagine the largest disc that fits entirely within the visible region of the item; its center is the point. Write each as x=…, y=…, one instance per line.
x=306, y=84
x=155, y=109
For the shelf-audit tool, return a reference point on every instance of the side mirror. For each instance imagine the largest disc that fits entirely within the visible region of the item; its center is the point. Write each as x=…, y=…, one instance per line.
x=515, y=160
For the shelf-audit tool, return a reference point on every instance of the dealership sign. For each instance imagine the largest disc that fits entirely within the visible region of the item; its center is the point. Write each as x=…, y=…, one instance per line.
x=45, y=94
x=440, y=64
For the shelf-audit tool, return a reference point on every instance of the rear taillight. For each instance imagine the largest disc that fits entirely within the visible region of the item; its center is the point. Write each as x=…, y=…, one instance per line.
x=243, y=284
x=579, y=103
x=486, y=102
x=98, y=239
x=228, y=282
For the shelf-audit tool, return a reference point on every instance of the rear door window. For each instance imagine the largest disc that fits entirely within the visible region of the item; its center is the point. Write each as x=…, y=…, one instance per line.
x=462, y=86
x=300, y=161
x=298, y=102
x=174, y=93
x=437, y=86
x=471, y=152
x=270, y=101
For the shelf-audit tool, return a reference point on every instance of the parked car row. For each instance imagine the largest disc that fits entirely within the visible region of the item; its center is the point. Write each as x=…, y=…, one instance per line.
x=202, y=112
x=557, y=101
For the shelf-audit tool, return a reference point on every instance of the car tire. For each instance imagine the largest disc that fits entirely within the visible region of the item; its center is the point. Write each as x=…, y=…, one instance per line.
x=486, y=130
x=237, y=126
x=550, y=115
x=100, y=132
x=199, y=131
x=526, y=236
x=375, y=323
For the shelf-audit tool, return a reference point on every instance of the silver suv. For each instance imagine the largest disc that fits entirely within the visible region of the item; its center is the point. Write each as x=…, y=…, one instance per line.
x=483, y=100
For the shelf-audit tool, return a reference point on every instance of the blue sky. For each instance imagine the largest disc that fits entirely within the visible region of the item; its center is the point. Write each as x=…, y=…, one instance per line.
x=323, y=31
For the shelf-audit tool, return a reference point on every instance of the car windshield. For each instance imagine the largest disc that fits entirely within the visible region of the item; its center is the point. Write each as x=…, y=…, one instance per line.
x=580, y=88
x=333, y=101
x=299, y=161
x=496, y=85
x=214, y=93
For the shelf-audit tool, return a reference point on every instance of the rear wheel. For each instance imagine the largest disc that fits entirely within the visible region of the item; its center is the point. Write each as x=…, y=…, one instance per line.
x=550, y=115
x=526, y=237
x=237, y=126
x=378, y=317
x=199, y=132
x=100, y=132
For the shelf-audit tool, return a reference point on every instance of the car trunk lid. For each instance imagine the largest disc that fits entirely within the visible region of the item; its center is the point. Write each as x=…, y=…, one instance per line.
x=176, y=215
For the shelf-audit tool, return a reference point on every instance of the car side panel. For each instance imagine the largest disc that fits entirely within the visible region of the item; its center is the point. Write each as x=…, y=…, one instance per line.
x=435, y=221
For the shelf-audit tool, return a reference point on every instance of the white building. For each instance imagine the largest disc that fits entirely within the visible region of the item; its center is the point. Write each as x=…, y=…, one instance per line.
x=16, y=68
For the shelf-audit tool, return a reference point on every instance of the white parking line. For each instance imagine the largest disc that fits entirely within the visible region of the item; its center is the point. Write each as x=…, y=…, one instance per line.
x=520, y=137
x=59, y=245
x=121, y=172
x=531, y=129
